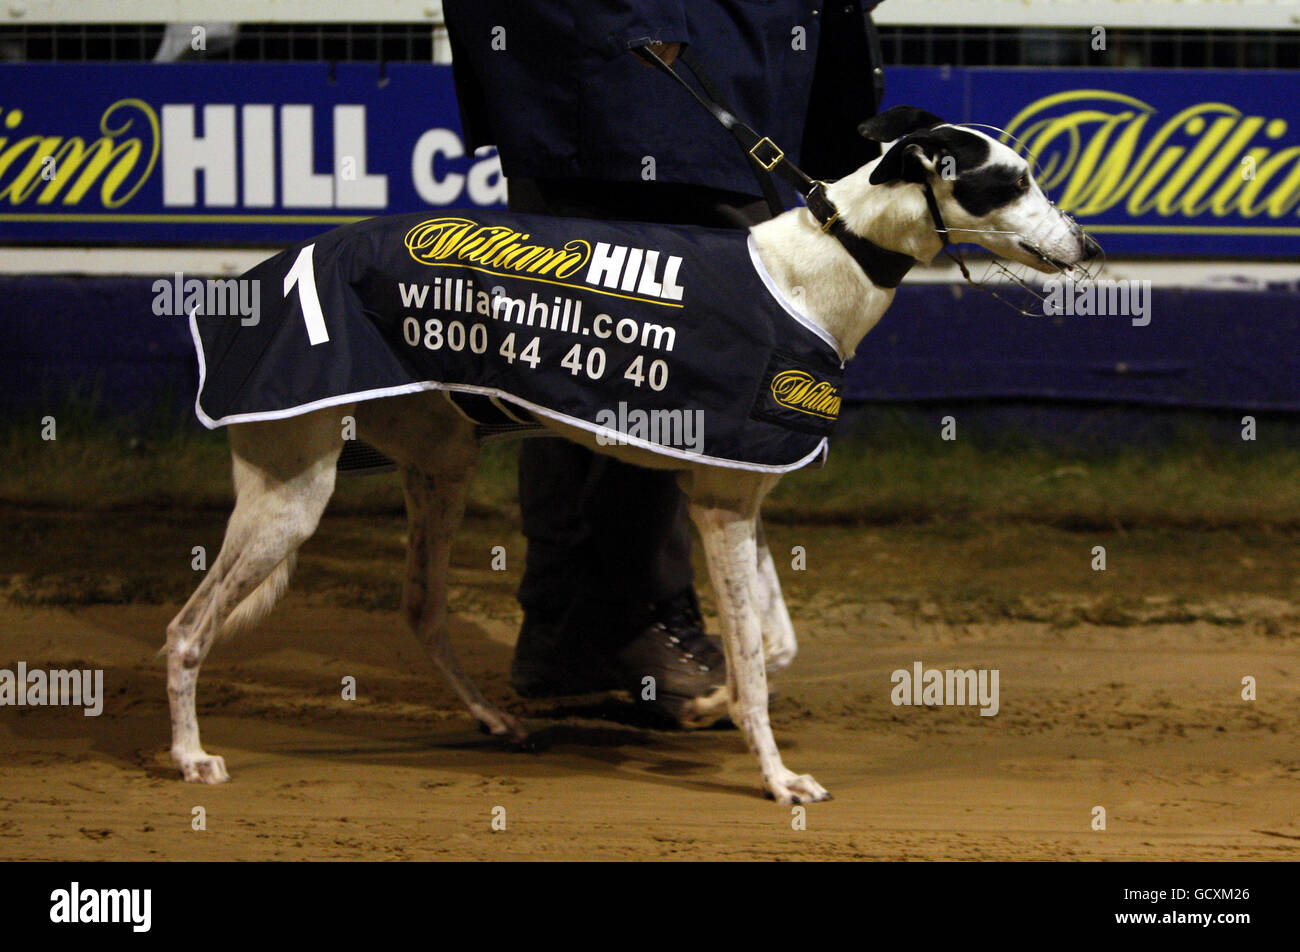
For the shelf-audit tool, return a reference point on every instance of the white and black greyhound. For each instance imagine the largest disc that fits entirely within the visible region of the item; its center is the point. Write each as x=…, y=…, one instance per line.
x=935, y=182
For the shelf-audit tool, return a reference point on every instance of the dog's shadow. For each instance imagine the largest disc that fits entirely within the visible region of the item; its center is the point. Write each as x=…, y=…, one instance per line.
x=592, y=750
x=614, y=710
x=661, y=756
x=625, y=725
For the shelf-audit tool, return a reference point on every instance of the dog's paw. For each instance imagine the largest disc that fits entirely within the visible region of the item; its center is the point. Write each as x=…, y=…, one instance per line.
x=500, y=724
x=705, y=711
x=791, y=788
x=203, y=768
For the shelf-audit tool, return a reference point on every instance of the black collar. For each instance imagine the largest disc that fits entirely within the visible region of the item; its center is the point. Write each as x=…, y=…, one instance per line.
x=885, y=268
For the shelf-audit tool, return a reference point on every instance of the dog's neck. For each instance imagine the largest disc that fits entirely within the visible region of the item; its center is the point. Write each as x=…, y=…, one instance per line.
x=816, y=274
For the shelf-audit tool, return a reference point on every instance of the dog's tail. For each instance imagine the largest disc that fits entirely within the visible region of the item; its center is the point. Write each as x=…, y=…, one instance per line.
x=261, y=600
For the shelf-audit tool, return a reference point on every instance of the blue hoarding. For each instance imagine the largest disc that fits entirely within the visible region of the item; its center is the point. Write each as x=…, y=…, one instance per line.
x=208, y=152
x=1159, y=162
x=1203, y=348
x=1156, y=162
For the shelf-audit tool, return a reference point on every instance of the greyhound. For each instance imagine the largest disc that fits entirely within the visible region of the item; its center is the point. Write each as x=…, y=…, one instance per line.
x=935, y=182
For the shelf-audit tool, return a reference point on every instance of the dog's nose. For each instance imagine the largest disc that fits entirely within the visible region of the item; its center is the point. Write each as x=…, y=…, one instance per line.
x=1090, y=248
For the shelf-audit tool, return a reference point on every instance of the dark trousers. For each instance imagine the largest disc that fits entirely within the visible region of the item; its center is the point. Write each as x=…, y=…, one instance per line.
x=601, y=531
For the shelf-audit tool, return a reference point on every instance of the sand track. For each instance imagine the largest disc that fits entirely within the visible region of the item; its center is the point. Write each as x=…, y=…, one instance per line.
x=1127, y=697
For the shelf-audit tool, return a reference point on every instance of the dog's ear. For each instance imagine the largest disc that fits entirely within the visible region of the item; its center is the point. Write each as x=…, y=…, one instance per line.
x=896, y=122
x=911, y=159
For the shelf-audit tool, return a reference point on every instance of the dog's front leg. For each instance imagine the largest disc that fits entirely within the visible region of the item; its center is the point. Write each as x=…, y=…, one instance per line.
x=730, y=543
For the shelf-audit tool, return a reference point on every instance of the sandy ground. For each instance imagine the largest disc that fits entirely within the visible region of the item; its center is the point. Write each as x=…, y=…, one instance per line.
x=1119, y=689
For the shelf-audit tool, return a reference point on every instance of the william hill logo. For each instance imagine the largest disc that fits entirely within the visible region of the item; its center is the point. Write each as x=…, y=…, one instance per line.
x=496, y=247
x=800, y=390
x=1208, y=161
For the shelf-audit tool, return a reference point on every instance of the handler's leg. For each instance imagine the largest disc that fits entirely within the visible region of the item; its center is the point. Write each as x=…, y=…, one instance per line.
x=638, y=548
x=608, y=591
x=555, y=655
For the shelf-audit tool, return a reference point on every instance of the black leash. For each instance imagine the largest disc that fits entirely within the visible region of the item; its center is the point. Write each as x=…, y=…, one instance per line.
x=711, y=100
x=885, y=268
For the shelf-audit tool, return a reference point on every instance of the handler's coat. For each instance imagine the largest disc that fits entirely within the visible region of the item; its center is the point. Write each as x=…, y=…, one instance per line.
x=618, y=328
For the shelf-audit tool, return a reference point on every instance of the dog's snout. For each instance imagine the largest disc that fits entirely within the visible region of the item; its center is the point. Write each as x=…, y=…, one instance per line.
x=1090, y=248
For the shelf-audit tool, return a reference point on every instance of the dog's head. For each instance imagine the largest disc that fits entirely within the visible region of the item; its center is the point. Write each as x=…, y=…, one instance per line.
x=985, y=192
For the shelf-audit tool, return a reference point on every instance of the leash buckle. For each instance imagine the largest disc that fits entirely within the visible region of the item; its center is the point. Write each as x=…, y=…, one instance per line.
x=777, y=154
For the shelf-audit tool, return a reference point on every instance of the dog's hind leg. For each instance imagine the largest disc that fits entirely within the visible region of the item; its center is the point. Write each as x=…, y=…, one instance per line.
x=438, y=454
x=284, y=476
x=779, y=643
x=435, y=504
x=728, y=528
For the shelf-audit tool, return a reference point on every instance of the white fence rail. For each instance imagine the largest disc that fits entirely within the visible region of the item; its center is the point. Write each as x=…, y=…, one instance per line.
x=1147, y=14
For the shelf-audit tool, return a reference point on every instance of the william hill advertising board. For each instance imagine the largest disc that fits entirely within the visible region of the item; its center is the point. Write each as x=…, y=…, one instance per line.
x=1155, y=162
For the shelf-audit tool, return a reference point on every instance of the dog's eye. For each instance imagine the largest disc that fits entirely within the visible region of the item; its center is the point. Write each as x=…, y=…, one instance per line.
x=1022, y=183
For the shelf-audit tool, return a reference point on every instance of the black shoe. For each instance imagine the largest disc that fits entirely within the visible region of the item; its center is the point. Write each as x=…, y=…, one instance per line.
x=550, y=661
x=574, y=653
x=688, y=666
